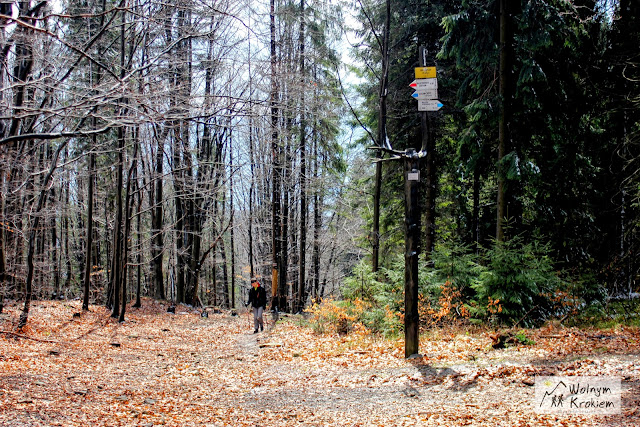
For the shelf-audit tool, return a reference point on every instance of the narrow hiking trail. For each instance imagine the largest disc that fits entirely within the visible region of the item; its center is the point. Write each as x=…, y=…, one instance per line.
x=182, y=369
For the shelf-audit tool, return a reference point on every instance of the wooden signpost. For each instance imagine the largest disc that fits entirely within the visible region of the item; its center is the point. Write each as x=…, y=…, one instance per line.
x=412, y=250
x=426, y=86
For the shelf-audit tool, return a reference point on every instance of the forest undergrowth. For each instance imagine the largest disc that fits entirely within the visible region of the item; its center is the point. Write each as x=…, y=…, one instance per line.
x=74, y=368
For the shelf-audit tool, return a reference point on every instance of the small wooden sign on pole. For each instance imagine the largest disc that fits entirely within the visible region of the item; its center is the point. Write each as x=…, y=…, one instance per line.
x=424, y=84
x=425, y=72
x=429, y=105
x=425, y=94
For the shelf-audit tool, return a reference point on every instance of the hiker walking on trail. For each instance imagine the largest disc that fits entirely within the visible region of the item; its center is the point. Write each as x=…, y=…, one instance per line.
x=258, y=300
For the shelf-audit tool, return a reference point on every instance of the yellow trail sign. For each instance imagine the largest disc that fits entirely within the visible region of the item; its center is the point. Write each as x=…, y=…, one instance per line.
x=425, y=72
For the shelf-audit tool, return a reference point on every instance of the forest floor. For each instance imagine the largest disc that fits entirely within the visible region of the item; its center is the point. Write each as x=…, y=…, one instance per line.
x=182, y=369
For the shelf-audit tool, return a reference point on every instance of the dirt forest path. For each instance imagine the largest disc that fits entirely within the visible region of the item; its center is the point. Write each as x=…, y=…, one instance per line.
x=182, y=369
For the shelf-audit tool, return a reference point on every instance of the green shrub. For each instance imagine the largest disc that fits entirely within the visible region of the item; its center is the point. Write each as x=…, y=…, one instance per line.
x=524, y=339
x=363, y=284
x=444, y=286
x=517, y=284
x=343, y=317
x=514, y=282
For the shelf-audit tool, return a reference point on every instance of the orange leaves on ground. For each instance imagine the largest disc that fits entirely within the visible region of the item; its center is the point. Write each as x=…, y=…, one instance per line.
x=448, y=309
x=181, y=369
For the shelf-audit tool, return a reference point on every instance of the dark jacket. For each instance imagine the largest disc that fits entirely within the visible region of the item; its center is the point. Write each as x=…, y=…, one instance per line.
x=257, y=297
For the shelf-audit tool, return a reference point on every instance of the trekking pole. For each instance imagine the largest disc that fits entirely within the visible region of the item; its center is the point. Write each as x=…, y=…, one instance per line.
x=248, y=311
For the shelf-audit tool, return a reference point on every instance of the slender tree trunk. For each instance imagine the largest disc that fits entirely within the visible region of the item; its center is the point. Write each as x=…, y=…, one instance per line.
x=116, y=262
x=32, y=238
x=51, y=254
x=5, y=9
x=317, y=212
x=127, y=233
x=40, y=236
x=90, y=195
x=3, y=256
x=375, y=237
x=223, y=254
x=195, y=227
x=330, y=262
x=304, y=208
x=21, y=72
x=157, y=246
x=67, y=233
x=252, y=269
x=382, y=137
x=231, y=227
x=119, y=279
x=184, y=180
x=108, y=207
x=276, y=168
x=214, y=265
x=54, y=248
x=180, y=227
x=284, y=218
x=89, y=238
x=475, y=222
x=138, y=302
x=252, y=185
x=156, y=198
x=502, y=121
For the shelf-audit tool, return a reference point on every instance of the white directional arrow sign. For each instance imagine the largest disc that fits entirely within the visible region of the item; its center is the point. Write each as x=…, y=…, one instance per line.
x=418, y=84
x=425, y=94
x=429, y=105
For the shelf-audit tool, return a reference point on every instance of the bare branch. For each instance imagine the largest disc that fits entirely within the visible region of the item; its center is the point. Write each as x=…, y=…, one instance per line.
x=54, y=135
